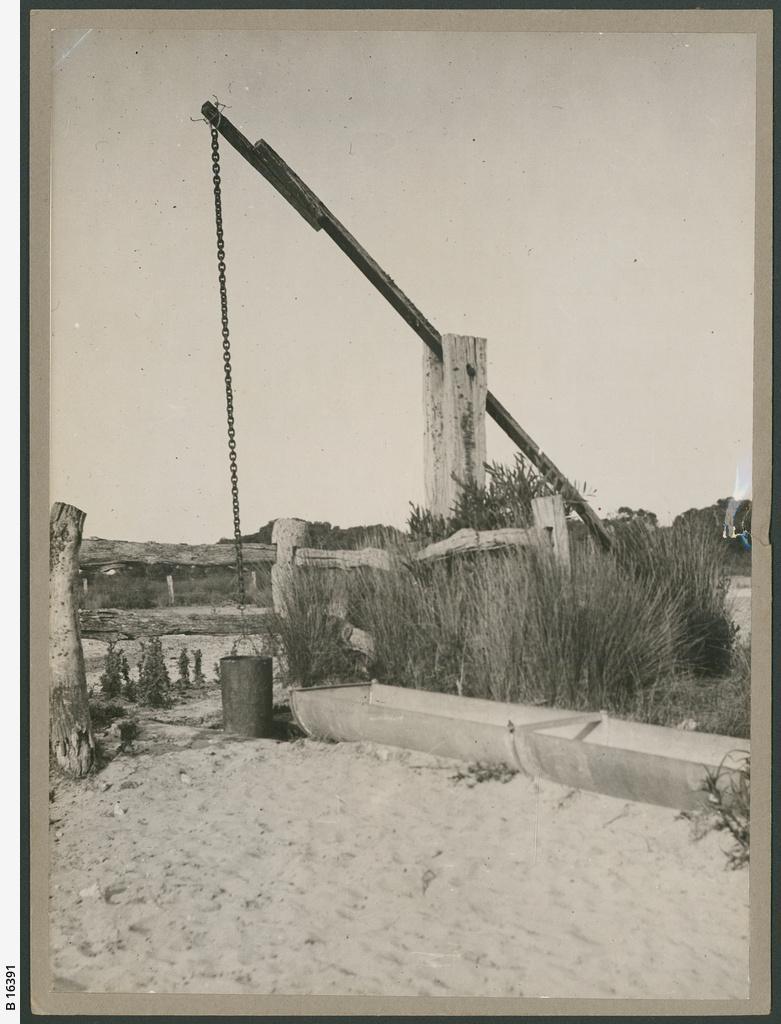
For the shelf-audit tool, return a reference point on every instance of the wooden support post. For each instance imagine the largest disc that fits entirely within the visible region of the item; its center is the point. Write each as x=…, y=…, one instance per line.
x=254, y=581
x=454, y=395
x=70, y=728
x=287, y=534
x=433, y=442
x=549, y=515
x=170, y=582
x=85, y=585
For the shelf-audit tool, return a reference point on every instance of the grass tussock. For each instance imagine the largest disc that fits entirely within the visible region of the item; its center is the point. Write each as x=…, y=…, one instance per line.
x=515, y=626
x=728, y=790
x=729, y=793
x=644, y=632
x=309, y=634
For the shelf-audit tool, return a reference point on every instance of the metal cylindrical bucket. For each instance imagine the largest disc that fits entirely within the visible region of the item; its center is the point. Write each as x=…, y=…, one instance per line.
x=247, y=695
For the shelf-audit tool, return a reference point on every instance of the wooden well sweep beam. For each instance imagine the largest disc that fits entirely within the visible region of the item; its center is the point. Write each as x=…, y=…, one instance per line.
x=274, y=169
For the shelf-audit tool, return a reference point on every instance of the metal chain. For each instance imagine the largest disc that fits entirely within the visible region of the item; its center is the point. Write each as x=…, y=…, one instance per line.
x=226, y=358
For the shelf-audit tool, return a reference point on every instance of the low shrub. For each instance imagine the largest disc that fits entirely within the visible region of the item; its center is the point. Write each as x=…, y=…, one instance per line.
x=184, y=668
x=103, y=713
x=154, y=682
x=111, y=677
x=199, y=679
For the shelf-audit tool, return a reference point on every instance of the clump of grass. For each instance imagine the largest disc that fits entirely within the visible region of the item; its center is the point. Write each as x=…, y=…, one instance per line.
x=687, y=562
x=729, y=794
x=721, y=705
x=516, y=626
x=310, y=636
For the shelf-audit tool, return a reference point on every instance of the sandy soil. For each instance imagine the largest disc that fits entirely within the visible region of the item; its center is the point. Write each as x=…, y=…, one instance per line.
x=201, y=863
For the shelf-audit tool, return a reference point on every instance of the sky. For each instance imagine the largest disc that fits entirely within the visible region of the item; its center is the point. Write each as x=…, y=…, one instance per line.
x=584, y=201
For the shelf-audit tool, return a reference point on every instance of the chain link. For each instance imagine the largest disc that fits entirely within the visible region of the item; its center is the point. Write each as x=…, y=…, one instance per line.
x=226, y=358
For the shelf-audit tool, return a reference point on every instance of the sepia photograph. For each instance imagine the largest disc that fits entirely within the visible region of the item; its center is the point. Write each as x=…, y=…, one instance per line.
x=402, y=413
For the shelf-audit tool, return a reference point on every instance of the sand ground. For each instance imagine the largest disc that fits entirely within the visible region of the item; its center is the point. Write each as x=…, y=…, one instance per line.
x=202, y=863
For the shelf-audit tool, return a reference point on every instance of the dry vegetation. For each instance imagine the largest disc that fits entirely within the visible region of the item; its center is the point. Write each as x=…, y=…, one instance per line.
x=644, y=632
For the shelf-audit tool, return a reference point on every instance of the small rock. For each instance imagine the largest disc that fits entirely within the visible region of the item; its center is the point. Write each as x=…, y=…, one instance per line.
x=129, y=784
x=59, y=835
x=118, y=810
x=185, y=778
x=104, y=786
x=92, y=892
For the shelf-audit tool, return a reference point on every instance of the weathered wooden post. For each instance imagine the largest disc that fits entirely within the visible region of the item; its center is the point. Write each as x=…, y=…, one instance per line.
x=287, y=534
x=170, y=582
x=70, y=728
x=454, y=396
x=549, y=514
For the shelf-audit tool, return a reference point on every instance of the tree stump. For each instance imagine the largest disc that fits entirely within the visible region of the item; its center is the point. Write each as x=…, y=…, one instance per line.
x=70, y=729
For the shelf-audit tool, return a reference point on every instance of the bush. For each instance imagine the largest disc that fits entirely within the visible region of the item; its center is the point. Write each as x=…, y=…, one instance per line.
x=184, y=668
x=199, y=679
x=111, y=677
x=505, y=500
x=103, y=713
x=154, y=683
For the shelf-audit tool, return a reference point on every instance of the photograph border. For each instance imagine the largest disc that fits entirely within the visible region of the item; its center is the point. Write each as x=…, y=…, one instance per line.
x=42, y=23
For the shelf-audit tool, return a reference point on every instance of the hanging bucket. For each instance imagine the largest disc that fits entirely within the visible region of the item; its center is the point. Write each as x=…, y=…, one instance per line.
x=247, y=695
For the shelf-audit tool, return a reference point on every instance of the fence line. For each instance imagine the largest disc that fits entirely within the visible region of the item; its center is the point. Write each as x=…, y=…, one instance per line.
x=548, y=533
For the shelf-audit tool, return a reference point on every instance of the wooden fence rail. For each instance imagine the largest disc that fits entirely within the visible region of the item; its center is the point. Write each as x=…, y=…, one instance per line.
x=550, y=531
x=97, y=553
x=286, y=555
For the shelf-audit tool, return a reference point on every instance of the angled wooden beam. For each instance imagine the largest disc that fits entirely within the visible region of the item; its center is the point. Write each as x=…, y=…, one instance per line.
x=274, y=169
